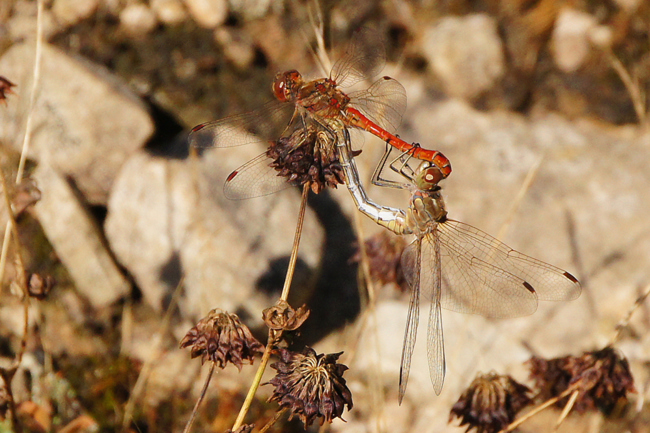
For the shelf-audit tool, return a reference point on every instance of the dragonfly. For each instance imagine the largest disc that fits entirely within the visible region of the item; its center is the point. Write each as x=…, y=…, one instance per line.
x=457, y=266
x=321, y=105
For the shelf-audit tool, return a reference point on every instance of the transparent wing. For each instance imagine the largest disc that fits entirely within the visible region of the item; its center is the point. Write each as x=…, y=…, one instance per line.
x=430, y=283
x=384, y=103
x=262, y=125
x=364, y=58
x=254, y=179
x=484, y=276
x=411, y=268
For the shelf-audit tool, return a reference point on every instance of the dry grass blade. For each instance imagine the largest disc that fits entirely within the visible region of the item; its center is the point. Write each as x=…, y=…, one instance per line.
x=624, y=322
x=633, y=88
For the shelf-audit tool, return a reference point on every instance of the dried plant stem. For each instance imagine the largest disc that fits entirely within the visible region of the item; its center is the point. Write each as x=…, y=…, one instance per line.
x=190, y=421
x=623, y=323
x=28, y=127
x=632, y=87
x=274, y=336
x=537, y=410
x=273, y=420
x=296, y=243
x=567, y=408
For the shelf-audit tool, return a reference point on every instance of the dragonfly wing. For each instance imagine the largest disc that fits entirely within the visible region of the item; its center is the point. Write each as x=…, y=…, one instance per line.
x=411, y=269
x=254, y=179
x=430, y=283
x=384, y=103
x=364, y=58
x=484, y=276
x=261, y=125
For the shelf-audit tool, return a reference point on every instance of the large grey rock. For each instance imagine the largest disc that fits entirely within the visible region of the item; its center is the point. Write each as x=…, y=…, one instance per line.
x=77, y=240
x=585, y=211
x=83, y=124
x=466, y=53
x=161, y=211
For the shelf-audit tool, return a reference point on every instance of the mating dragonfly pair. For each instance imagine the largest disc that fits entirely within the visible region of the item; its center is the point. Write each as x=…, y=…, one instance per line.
x=455, y=265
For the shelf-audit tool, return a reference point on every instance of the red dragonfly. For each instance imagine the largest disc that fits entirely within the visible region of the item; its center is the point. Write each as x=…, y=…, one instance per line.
x=319, y=104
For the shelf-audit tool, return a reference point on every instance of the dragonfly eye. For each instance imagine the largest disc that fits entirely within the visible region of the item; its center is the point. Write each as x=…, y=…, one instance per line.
x=285, y=84
x=428, y=178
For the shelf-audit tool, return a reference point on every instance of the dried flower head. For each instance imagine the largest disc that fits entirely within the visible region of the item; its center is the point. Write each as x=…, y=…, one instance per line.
x=39, y=286
x=306, y=155
x=602, y=378
x=490, y=403
x=310, y=385
x=5, y=89
x=222, y=338
x=282, y=317
x=384, y=252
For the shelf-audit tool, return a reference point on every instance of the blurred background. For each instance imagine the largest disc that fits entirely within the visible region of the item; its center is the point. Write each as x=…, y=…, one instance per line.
x=539, y=104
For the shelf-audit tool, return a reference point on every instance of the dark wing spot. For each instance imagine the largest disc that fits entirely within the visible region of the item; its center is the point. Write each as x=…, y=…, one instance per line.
x=232, y=175
x=529, y=287
x=199, y=127
x=571, y=277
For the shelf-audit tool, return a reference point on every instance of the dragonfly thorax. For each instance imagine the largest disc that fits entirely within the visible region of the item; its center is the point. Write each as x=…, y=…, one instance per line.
x=287, y=85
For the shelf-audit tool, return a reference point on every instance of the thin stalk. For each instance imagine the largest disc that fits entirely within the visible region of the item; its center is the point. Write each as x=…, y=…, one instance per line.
x=273, y=420
x=28, y=127
x=537, y=410
x=273, y=335
x=296, y=244
x=188, y=426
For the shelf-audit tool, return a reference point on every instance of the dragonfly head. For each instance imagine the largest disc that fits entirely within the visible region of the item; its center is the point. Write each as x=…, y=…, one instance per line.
x=286, y=85
x=427, y=176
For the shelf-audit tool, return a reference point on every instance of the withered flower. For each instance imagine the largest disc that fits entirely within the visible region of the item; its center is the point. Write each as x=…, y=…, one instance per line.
x=384, y=252
x=310, y=385
x=602, y=378
x=222, y=338
x=307, y=155
x=490, y=403
x=282, y=317
x=5, y=89
x=39, y=286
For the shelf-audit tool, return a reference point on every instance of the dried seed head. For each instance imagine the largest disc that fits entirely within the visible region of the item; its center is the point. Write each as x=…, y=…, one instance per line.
x=5, y=89
x=282, y=317
x=310, y=385
x=39, y=286
x=222, y=338
x=384, y=252
x=602, y=378
x=490, y=403
x=307, y=155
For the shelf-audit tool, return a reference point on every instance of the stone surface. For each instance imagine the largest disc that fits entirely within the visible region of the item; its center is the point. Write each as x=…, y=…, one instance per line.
x=208, y=13
x=466, y=53
x=164, y=214
x=137, y=19
x=70, y=12
x=570, y=38
x=83, y=124
x=169, y=11
x=584, y=212
x=77, y=240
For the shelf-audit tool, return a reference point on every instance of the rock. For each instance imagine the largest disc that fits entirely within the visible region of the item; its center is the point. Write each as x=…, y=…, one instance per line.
x=167, y=216
x=77, y=240
x=466, y=53
x=22, y=24
x=237, y=46
x=570, y=40
x=251, y=10
x=208, y=13
x=169, y=11
x=137, y=19
x=84, y=124
x=70, y=12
